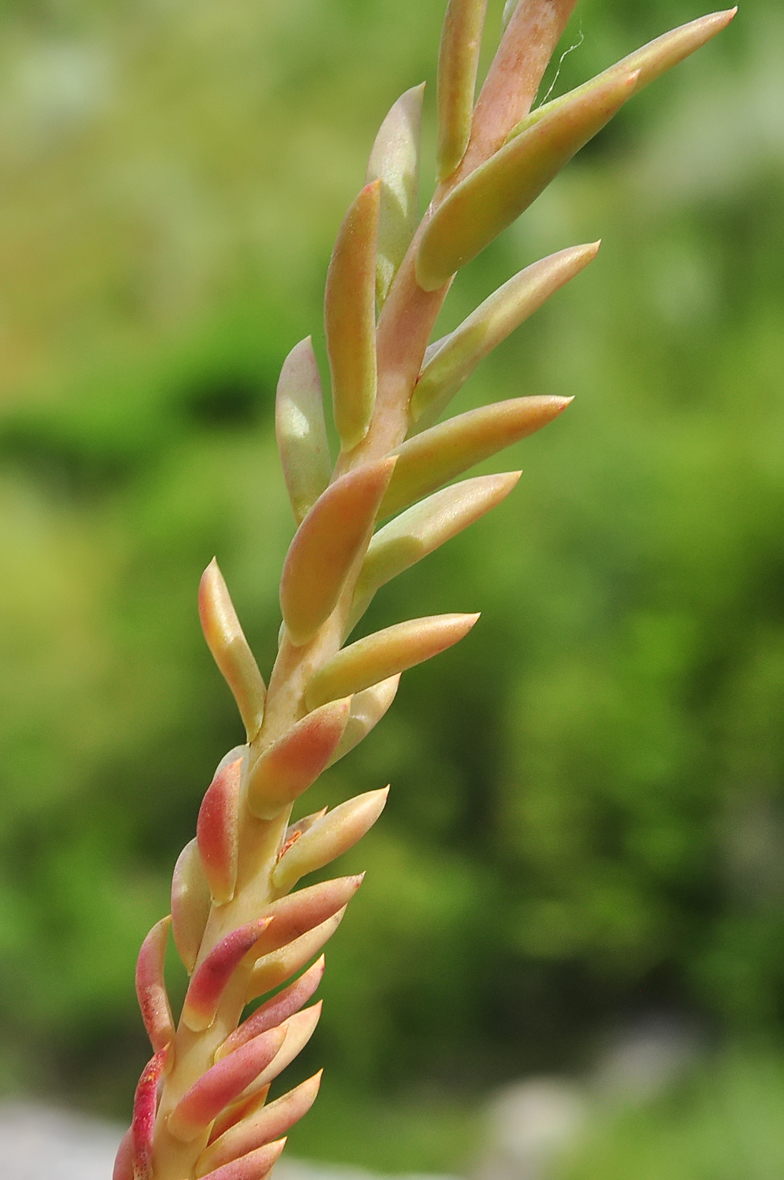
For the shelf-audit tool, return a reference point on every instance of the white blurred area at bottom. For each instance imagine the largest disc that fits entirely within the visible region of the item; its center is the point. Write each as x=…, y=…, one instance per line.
x=39, y=1142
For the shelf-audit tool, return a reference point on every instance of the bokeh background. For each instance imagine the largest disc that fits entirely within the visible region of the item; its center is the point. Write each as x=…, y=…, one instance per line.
x=586, y=824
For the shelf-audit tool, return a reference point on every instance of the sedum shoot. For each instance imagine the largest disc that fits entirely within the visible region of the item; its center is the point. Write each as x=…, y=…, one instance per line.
x=201, y=1106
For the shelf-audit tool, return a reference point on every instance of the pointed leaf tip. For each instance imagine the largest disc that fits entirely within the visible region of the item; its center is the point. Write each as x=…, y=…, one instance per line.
x=379, y=656
x=453, y=362
x=298, y=1029
x=329, y=837
x=240, y=1156
x=276, y=1010
x=302, y=911
x=498, y=191
x=230, y=649
x=649, y=62
x=438, y=455
x=275, y=968
x=260, y=1126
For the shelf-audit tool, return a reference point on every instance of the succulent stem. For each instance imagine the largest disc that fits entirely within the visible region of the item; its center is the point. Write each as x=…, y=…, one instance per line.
x=200, y=1108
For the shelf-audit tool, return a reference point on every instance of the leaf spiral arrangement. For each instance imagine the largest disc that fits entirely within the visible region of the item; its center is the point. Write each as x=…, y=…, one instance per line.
x=201, y=1106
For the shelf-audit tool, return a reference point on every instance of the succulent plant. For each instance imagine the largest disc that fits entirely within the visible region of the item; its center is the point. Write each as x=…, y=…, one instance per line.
x=201, y=1105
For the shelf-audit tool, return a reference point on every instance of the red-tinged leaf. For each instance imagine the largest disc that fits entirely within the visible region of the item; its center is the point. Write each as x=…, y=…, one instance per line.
x=650, y=62
x=145, y=1105
x=265, y=1125
x=211, y=977
x=530, y=37
x=123, y=1162
x=217, y=831
x=367, y=709
x=326, y=545
x=254, y=1166
x=222, y=1084
x=296, y=760
x=274, y=969
x=299, y=1029
x=151, y=986
x=278, y=1009
x=293, y=916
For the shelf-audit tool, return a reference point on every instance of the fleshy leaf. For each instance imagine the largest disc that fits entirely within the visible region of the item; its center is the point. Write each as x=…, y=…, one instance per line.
x=650, y=62
x=190, y=904
x=394, y=161
x=429, y=460
x=230, y=649
x=264, y=1125
x=300, y=429
x=421, y=529
x=276, y=1010
x=326, y=545
x=151, y=986
x=498, y=191
x=329, y=837
x=458, y=59
x=145, y=1105
x=350, y=318
x=235, y=1112
x=295, y=761
x=217, y=830
x=222, y=1084
x=367, y=709
x=275, y=968
x=290, y=917
x=384, y=654
x=457, y=357
x=298, y=1030
x=532, y=30
x=255, y=1165
x=211, y=977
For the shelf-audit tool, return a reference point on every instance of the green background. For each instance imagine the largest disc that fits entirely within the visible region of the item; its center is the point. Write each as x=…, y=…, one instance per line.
x=586, y=821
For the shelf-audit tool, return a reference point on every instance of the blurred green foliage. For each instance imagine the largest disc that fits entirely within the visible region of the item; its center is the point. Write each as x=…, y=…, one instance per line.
x=587, y=813
x=723, y=1123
